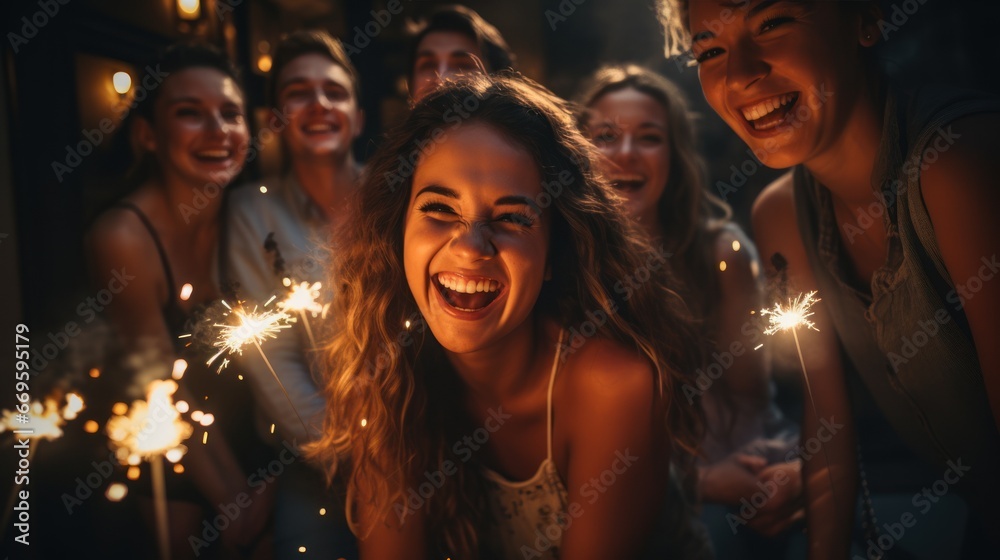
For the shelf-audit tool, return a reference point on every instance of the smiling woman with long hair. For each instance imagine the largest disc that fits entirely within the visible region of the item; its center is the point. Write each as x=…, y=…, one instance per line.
x=192, y=138
x=890, y=213
x=506, y=371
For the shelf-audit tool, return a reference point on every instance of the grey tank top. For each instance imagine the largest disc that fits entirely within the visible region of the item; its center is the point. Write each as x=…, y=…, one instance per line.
x=905, y=336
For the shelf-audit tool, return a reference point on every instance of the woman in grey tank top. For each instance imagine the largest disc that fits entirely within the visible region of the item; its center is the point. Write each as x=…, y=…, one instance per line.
x=889, y=214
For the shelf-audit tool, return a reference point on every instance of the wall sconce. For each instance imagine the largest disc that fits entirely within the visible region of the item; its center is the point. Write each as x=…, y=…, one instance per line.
x=264, y=63
x=122, y=82
x=189, y=9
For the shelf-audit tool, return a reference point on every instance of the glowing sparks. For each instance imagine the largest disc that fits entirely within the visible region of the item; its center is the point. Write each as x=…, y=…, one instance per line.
x=150, y=428
x=302, y=298
x=722, y=266
x=95, y=373
x=186, y=291
x=180, y=366
x=91, y=427
x=116, y=491
x=364, y=422
x=758, y=347
x=795, y=315
x=263, y=189
x=252, y=327
x=74, y=405
x=44, y=419
x=736, y=245
x=322, y=511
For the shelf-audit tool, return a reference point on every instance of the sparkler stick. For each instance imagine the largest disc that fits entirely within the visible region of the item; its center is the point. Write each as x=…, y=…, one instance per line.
x=254, y=327
x=152, y=429
x=160, y=505
x=790, y=318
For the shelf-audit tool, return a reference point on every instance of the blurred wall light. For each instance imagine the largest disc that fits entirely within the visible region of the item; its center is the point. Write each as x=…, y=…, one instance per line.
x=122, y=82
x=189, y=9
x=264, y=63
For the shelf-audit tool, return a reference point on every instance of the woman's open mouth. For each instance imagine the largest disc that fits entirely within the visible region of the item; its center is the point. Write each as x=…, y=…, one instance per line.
x=772, y=112
x=467, y=293
x=627, y=182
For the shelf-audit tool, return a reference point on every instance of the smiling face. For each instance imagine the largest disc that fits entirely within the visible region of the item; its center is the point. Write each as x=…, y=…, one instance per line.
x=784, y=75
x=475, y=244
x=199, y=132
x=317, y=96
x=442, y=55
x=631, y=129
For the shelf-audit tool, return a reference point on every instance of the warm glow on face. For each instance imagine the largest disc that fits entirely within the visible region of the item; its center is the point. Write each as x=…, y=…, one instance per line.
x=122, y=82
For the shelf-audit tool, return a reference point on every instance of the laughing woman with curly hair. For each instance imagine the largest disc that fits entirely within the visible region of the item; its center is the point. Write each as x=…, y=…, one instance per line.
x=492, y=393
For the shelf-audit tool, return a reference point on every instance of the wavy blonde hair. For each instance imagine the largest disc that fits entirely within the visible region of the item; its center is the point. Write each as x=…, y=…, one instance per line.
x=383, y=371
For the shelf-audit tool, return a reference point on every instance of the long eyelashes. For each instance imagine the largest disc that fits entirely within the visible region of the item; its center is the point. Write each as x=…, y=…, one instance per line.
x=514, y=217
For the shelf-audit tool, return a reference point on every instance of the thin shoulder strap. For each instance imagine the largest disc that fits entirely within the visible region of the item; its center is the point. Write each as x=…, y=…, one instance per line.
x=171, y=286
x=552, y=379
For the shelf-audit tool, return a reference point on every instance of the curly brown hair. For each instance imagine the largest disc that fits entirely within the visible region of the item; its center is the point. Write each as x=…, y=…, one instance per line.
x=382, y=360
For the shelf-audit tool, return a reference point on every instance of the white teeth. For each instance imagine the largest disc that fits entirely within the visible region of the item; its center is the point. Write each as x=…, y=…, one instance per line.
x=767, y=106
x=467, y=286
x=319, y=128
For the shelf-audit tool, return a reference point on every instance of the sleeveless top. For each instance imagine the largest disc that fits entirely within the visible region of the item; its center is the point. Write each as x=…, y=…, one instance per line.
x=906, y=338
x=172, y=312
x=529, y=516
x=228, y=399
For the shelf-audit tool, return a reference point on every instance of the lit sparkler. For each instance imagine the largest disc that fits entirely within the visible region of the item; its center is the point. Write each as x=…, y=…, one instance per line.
x=302, y=298
x=151, y=430
x=795, y=315
x=254, y=327
x=790, y=318
x=43, y=421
